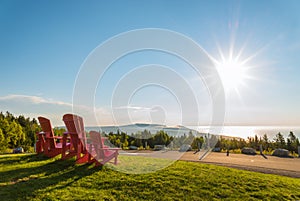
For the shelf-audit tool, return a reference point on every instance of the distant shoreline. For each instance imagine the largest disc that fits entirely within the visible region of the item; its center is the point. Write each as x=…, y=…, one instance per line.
x=230, y=131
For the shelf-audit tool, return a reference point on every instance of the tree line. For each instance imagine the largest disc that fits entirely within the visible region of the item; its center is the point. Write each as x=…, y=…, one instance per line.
x=17, y=131
x=291, y=143
x=146, y=140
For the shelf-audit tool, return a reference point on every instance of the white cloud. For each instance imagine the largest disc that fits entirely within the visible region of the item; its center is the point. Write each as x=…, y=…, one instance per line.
x=32, y=99
x=128, y=107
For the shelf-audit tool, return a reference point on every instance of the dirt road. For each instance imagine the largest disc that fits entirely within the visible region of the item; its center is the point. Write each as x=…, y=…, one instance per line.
x=272, y=165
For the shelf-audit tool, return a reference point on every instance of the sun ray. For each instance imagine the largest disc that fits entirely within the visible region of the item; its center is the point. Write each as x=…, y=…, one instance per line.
x=231, y=48
x=255, y=54
x=220, y=53
x=240, y=52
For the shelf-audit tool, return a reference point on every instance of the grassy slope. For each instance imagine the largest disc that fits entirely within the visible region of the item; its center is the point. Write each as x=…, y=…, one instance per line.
x=34, y=177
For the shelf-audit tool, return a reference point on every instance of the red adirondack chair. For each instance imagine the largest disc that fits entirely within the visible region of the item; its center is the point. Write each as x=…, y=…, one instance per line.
x=47, y=141
x=75, y=130
x=100, y=152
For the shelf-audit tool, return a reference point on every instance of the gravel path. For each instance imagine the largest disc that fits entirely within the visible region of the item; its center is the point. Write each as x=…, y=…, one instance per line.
x=272, y=165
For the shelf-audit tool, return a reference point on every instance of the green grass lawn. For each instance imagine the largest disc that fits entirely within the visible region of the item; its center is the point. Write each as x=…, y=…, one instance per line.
x=32, y=177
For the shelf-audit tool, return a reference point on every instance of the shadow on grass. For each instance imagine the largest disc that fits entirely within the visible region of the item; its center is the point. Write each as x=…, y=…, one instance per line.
x=16, y=159
x=19, y=183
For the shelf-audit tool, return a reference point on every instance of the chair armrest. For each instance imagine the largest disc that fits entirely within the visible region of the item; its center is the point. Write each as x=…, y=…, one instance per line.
x=110, y=148
x=50, y=137
x=59, y=138
x=68, y=132
x=55, y=137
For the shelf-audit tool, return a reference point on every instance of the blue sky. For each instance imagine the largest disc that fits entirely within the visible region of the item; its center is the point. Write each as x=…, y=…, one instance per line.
x=44, y=43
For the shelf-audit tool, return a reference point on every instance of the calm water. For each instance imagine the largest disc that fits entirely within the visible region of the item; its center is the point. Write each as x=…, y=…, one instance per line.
x=250, y=131
x=236, y=131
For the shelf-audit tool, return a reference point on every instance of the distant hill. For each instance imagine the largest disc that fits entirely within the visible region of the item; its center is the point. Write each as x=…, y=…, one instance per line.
x=138, y=127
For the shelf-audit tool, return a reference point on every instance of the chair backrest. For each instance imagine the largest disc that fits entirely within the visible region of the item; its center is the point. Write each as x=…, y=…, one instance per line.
x=75, y=127
x=47, y=129
x=98, y=142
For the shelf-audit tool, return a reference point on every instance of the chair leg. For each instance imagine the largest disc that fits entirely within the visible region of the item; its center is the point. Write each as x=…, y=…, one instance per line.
x=46, y=148
x=64, y=147
x=38, y=146
x=116, y=160
x=83, y=159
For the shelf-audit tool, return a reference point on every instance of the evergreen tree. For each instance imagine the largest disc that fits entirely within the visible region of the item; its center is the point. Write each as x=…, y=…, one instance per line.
x=4, y=125
x=3, y=144
x=292, y=142
x=198, y=141
x=265, y=141
x=279, y=140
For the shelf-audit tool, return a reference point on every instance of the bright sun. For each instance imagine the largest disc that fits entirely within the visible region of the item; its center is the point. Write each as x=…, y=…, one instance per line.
x=235, y=68
x=233, y=74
